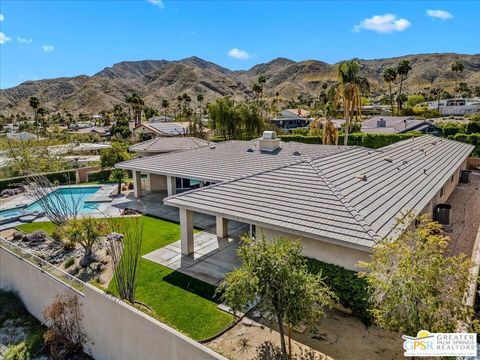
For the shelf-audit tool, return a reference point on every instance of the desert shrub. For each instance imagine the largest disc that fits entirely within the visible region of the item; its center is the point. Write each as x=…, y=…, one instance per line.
x=269, y=351
x=352, y=291
x=69, y=262
x=473, y=127
x=473, y=139
x=452, y=128
x=27, y=349
x=64, y=337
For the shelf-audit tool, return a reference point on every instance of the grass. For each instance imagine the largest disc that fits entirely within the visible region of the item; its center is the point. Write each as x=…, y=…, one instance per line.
x=179, y=300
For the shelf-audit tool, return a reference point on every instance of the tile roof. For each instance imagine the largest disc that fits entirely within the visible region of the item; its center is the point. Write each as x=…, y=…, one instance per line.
x=166, y=128
x=169, y=144
x=227, y=160
x=354, y=196
x=394, y=124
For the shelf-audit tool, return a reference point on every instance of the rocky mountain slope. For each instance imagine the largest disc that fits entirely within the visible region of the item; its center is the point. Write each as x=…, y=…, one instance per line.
x=155, y=80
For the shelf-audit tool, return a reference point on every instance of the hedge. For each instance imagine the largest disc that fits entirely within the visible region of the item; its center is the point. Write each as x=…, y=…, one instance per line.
x=101, y=175
x=62, y=177
x=473, y=139
x=373, y=141
x=351, y=290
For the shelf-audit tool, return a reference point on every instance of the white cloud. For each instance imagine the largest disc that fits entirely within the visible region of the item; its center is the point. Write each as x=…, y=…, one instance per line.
x=24, y=40
x=2, y=17
x=384, y=24
x=239, y=54
x=4, y=38
x=439, y=14
x=48, y=48
x=157, y=3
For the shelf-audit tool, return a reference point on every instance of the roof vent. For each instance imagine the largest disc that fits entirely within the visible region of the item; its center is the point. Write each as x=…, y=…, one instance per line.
x=250, y=150
x=212, y=146
x=297, y=153
x=381, y=123
x=362, y=177
x=425, y=171
x=269, y=141
x=388, y=159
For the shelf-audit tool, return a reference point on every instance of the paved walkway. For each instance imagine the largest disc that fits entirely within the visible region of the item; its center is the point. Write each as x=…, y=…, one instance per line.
x=212, y=259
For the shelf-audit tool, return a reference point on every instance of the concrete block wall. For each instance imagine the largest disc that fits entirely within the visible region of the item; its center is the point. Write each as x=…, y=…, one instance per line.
x=115, y=330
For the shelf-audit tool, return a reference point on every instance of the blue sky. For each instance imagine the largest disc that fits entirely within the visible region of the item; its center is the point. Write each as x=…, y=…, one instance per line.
x=46, y=39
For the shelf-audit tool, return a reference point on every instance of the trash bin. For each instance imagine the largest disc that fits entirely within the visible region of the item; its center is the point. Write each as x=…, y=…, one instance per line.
x=442, y=213
x=465, y=176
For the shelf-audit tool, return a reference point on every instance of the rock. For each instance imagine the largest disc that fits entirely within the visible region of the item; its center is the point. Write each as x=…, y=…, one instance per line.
x=247, y=322
x=35, y=237
x=257, y=314
x=17, y=235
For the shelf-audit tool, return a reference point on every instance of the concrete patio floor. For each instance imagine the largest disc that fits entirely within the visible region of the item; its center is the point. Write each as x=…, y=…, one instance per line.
x=213, y=258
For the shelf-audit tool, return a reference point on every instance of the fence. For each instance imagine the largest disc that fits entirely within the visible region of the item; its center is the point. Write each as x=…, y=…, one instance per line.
x=114, y=329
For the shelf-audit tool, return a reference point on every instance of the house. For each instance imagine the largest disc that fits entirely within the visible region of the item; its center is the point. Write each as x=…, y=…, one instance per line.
x=160, y=145
x=149, y=130
x=162, y=118
x=291, y=119
x=338, y=201
x=456, y=106
x=102, y=131
x=397, y=125
x=23, y=136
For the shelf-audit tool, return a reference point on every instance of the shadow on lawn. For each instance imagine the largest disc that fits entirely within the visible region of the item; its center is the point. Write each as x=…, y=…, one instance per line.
x=193, y=285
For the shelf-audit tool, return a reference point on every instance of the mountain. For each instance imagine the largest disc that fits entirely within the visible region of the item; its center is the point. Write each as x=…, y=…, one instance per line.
x=155, y=80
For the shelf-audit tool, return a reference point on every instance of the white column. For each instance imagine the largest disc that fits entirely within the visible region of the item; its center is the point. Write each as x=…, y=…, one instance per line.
x=171, y=185
x=137, y=184
x=186, y=231
x=222, y=227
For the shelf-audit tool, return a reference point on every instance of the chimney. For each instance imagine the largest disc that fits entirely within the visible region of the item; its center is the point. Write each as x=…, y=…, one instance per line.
x=269, y=141
x=381, y=123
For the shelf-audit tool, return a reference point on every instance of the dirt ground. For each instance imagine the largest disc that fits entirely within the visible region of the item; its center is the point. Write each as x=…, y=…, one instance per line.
x=464, y=216
x=338, y=336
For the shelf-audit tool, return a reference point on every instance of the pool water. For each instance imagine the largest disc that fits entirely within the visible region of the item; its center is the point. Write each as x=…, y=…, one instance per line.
x=73, y=197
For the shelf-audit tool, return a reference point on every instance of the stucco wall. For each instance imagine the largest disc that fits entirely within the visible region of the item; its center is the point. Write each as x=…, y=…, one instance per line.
x=115, y=330
x=323, y=251
x=156, y=182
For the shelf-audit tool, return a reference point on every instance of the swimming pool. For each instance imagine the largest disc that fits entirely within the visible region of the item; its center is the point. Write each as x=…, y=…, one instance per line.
x=73, y=198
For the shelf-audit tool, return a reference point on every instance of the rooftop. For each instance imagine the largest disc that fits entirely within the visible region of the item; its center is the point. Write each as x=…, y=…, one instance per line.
x=167, y=128
x=354, y=196
x=168, y=144
x=393, y=124
x=228, y=160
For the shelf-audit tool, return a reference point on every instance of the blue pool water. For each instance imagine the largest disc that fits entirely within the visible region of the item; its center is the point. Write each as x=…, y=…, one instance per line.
x=74, y=197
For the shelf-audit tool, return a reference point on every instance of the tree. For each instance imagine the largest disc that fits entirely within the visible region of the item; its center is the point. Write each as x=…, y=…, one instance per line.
x=118, y=175
x=413, y=100
x=389, y=75
x=457, y=67
x=116, y=153
x=330, y=133
x=403, y=68
x=34, y=104
x=136, y=105
x=416, y=283
x=351, y=85
x=275, y=273
x=86, y=232
x=165, y=105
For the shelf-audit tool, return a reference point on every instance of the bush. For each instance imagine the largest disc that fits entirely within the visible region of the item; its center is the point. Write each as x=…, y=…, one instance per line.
x=452, y=128
x=69, y=262
x=473, y=139
x=61, y=177
x=351, y=290
x=102, y=175
x=473, y=127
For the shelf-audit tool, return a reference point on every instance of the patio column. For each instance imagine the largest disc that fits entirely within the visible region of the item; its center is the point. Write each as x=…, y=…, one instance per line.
x=186, y=231
x=137, y=184
x=171, y=185
x=222, y=227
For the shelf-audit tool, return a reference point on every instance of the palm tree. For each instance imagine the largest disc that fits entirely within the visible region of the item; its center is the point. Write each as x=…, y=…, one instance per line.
x=403, y=68
x=389, y=75
x=136, y=104
x=34, y=104
x=457, y=66
x=200, y=104
x=330, y=133
x=351, y=85
x=165, y=105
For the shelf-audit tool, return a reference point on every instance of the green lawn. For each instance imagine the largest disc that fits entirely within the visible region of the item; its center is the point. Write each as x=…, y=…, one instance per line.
x=181, y=301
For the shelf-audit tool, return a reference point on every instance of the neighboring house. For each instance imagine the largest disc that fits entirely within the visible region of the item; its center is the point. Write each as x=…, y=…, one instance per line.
x=291, y=119
x=102, y=131
x=147, y=130
x=397, y=125
x=336, y=200
x=161, y=118
x=23, y=136
x=161, y=145
x=456, y=106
